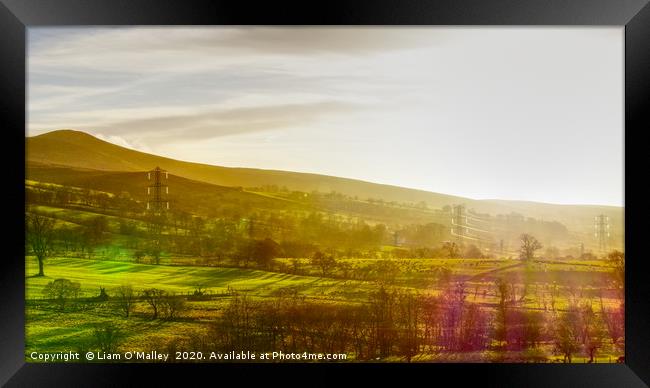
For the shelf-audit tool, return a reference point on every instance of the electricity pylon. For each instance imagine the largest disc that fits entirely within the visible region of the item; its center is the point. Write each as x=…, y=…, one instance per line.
x=601, y=232
x=156, y=204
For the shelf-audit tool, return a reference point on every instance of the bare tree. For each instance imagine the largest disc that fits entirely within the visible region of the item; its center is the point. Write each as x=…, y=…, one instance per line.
x=617, y=258
x=529, y=245
x=532, y=328
x=325, y=262
x=595, y=338
x=383, y=334
x=154, y=298
x=265, y=251
x=567, y=334
x=408, y=322
x=125, y=299
x=40, y=231
x=453, y=250
x=614, y=319
x=501, y=324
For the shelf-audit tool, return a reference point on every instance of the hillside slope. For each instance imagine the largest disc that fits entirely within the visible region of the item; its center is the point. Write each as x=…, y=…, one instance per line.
x=81, y=150
x=185, y=194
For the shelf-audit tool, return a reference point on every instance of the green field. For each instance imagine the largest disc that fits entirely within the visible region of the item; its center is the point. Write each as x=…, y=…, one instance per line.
x=47, y=328
x=92, y=274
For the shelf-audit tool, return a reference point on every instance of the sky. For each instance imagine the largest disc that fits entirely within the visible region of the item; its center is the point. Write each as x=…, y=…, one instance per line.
x=481, y=112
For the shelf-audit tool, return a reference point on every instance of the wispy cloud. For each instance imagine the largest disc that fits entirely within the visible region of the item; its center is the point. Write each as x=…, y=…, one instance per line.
x=223, y=122
x=394, y=105
x=202, y=82
x=99, y=47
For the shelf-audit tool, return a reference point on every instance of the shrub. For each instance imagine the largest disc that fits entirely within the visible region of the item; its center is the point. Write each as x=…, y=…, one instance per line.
x=171, y=306
x=61, y=290
x=107, y=337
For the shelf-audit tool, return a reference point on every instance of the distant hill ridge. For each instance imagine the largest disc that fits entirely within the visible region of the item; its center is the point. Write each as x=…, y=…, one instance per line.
x=81, y=150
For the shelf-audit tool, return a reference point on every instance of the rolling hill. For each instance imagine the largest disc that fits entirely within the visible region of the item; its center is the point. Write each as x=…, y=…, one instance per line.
x=203, y=198
x=68, y=148
x=186, y=194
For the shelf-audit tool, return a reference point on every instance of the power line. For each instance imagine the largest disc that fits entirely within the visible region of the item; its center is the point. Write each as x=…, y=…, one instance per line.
x=476, y=218
x=462, y=229
x=458, y=222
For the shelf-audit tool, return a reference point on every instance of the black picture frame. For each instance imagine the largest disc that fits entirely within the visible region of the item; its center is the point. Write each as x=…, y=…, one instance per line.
x=18, y=15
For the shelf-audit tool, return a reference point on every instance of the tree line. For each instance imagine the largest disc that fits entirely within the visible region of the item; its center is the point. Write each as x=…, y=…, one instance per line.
x=397, y=323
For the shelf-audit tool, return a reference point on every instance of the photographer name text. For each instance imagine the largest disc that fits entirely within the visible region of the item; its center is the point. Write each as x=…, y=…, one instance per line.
x=155, y=356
